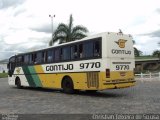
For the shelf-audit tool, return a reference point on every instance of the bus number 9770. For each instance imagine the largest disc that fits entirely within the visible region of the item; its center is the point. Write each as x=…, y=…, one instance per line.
x=90, y=65
x=122, y=67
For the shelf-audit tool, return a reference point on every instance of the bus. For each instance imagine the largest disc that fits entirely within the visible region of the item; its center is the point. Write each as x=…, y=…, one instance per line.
x=98, y=62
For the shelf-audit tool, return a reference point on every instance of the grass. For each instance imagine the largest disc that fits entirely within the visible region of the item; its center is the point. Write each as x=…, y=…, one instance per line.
x=3, y=75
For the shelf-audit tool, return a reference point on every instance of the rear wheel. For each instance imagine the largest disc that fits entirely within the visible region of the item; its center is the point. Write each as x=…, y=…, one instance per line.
x=91, y=91
x=67, y=85
x=18, y=83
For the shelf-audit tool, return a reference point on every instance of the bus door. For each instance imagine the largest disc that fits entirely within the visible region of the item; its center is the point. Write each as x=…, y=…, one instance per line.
x=11, y=66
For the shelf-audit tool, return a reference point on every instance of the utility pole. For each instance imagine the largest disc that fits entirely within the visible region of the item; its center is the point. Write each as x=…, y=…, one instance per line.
x=52, y=16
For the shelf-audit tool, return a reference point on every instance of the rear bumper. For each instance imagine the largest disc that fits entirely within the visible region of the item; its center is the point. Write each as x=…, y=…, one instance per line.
x=118, y=85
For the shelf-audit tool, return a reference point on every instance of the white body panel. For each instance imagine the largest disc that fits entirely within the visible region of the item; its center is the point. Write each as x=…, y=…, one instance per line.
x=11, y=80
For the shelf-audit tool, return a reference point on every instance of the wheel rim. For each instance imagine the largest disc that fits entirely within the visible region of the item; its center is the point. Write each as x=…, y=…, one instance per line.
x=68, y=84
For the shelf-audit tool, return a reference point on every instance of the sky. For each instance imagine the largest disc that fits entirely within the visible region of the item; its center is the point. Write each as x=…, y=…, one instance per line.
x=25, y=25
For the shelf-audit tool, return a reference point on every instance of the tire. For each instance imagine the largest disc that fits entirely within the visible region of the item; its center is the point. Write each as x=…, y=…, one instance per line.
x=18, y=83
x=91, y=91
x=67, y=85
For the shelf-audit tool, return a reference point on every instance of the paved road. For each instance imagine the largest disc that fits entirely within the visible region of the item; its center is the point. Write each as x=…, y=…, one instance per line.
x=143, y=98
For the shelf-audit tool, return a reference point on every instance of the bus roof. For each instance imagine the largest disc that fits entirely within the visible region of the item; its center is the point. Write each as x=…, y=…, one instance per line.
x=86, y=38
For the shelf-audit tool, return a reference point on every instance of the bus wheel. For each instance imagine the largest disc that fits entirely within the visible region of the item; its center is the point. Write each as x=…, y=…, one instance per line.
x=67, y=85
x=18, y=83
x=91, y=91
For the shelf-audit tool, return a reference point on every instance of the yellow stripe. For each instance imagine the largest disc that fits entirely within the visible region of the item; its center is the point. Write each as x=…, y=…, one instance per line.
x=43, y=77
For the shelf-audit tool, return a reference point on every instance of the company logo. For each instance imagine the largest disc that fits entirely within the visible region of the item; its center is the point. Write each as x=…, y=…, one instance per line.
x=18, y=70
x=121, y=43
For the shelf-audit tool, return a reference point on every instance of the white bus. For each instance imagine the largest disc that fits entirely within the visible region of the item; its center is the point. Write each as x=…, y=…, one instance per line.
x=98, y=62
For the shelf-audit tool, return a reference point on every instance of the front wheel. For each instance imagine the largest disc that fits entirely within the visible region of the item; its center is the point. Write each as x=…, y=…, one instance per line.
x=67, y=85
x=18, y=83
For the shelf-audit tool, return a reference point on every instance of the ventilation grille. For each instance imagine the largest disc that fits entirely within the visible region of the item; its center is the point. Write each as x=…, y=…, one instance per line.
x=92, y=79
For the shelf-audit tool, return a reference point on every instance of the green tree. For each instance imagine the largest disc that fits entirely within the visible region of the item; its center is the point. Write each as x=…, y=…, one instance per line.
x=156, y=53
x=137, y=52
x=67, y=33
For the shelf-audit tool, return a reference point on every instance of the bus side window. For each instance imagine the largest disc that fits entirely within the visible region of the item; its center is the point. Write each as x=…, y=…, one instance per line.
x=57, y=55
x=32, y=58
x=88, y=49
x=61, y=54
x=97, y=49
x=49, y=55
x=43, y=56
x=65, y=53
x=74, y=52
x=22, y=61
x=40, y=57
x=35, y=58
x=19, y=60
x=12, y=65
x=26, y=59
x=80, y=50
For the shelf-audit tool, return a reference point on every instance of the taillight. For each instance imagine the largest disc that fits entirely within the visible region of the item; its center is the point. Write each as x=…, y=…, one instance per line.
x=107, y=73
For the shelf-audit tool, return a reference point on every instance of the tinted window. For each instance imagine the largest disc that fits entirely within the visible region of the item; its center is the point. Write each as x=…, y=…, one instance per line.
x=50, y=55
x=26, y=59
x=12, y=63
x=74, y=52
x=19, y=60
x=97, y=47
x=81, y=55
x=11, y=66
x=40, y=57
x=66, y=53
x=32, y=58
x=57, y=55
x=88, y=49
x=12, y=59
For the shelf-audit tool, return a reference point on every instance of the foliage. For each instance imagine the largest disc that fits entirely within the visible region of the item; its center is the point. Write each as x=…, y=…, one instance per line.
x=3, y=75
x=137, y=52
x=134, y=42
x=67, y=33
x=156, y=53
x=146, y=57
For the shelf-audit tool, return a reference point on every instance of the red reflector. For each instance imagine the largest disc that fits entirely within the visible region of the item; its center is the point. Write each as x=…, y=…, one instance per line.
x=107, y=73
x=122, y=74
